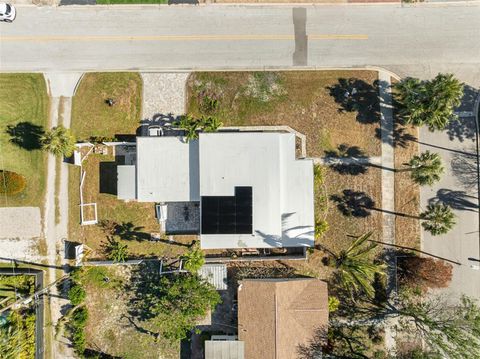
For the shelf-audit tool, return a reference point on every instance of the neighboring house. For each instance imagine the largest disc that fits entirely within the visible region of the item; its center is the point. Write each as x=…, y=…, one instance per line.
x=249, y=188
x=276, y=316
x=224, y=348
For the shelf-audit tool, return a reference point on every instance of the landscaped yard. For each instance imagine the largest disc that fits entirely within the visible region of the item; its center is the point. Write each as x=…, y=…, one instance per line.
x=312, y=102
x=332, y=108
x=23, y=118
x=22, y=321
x=92, y=116
x=111, y=328
x=100, y=171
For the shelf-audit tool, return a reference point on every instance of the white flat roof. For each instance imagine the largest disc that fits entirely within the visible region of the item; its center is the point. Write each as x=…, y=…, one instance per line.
x=167, y=169
x=283, y=211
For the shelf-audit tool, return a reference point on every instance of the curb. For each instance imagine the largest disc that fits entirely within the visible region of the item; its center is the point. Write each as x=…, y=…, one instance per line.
x=227, y=69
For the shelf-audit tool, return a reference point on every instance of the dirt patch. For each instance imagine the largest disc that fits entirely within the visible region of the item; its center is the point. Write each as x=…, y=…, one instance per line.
x=330, y=107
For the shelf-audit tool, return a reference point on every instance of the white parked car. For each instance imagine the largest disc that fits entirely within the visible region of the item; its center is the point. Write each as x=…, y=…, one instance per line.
x=7, y=12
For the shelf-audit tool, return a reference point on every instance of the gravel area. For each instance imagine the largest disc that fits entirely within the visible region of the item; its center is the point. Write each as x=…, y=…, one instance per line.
x=21, y=249
x=163, y=94
x=20, y=222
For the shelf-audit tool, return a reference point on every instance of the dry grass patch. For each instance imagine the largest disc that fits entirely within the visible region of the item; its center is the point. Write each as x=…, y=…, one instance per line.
x=311, y=102
x=407, y=192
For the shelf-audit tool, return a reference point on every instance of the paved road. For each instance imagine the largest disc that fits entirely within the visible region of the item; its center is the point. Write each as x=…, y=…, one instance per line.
x=418, y=40
x=459, y=189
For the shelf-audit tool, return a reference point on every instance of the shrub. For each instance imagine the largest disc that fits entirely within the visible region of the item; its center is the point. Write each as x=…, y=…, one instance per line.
x=333, y=304
x=11, y=183
x=77, y=329
x=76, y=294
x=424, y=273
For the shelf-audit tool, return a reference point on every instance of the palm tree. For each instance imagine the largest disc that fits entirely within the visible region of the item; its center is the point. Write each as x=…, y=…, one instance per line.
x=355, y=268
x=430, y=103
x=438, y=219
x=59, y=141
x=193, y=259
x=190, y=125
x=211, y=123
x=426, y=168
x=117, y=251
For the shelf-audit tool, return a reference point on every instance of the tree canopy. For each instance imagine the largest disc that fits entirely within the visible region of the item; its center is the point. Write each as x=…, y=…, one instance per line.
x=426, y=168
x=452, y=329
x=438, y=219
x=59, y=141
x=429, y=102
x=171, y=304
x=355, y=268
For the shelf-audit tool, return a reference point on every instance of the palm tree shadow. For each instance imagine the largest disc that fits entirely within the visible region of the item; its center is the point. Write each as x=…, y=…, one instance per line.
x=354, y=95
x=26, y=135
x=353, y=203
x=458, y=200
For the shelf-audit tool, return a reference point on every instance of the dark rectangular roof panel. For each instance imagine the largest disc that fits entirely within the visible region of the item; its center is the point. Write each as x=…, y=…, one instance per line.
x=228, y=214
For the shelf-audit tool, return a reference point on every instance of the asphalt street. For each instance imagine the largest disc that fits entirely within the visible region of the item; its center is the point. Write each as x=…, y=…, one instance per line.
x=418, y=41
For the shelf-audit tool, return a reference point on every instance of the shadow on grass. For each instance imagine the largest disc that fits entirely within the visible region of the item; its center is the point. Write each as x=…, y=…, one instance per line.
x=26, y=135
x=354, y=95
x=108, y=178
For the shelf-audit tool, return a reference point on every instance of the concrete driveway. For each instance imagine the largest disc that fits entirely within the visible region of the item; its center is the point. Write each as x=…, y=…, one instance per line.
x=459, y=189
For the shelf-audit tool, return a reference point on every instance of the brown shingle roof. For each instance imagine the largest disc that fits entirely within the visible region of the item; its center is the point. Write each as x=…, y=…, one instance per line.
x=275, y=316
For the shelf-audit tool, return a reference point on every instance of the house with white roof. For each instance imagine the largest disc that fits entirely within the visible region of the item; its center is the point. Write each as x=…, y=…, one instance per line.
x=250, y=189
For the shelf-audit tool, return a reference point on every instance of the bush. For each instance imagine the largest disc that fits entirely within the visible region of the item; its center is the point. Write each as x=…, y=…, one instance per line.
x=77, y=329
x=424, y=272
x=76, y=294
x=11, y=183
x=333, y=304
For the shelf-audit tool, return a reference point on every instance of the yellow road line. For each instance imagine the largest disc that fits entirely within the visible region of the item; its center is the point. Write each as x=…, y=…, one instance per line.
x=180, y=38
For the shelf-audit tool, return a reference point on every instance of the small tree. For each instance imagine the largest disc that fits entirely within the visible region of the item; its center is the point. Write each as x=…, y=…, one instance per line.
x=448, y=328
x=173, y=303
x=191, y=127
x=437, y=219
x=430, y=103
x=117, y=251
x=59, y=141
x=193, y=259
x=354, y=267
x=424, y=272
x=426, y=168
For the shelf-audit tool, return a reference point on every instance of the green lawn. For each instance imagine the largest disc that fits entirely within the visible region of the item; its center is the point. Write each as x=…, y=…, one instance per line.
x=91, y=116
x=23, y=117
x=104, y=2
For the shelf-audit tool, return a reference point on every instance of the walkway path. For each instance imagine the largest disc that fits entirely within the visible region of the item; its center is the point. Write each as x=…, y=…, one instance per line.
x=388, y=189
x=61, y=89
